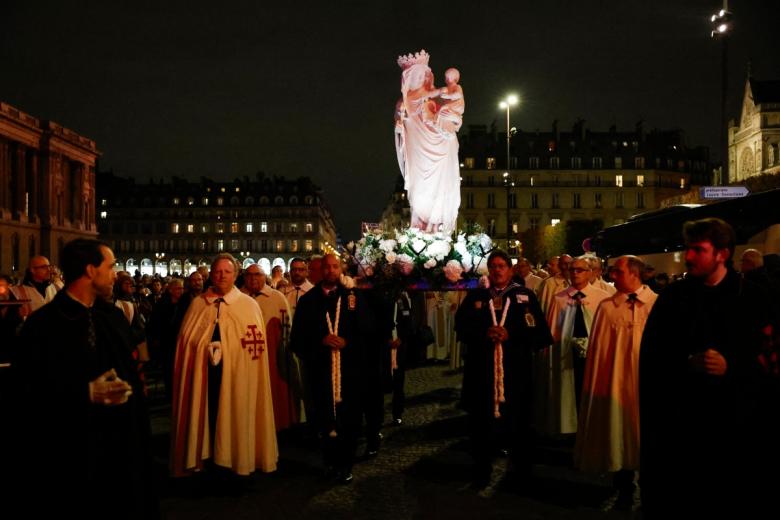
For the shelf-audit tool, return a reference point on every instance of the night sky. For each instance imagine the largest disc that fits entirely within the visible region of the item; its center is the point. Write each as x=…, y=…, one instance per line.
x=308, y=88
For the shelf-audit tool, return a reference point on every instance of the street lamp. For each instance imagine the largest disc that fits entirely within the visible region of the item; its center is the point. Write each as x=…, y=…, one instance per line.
x=721, y=26
x=506, y=103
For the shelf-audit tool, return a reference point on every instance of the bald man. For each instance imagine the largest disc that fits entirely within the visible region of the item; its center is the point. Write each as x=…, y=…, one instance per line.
x=36, y=286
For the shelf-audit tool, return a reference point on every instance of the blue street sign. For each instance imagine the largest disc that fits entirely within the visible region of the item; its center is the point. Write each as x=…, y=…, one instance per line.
x=723, y=192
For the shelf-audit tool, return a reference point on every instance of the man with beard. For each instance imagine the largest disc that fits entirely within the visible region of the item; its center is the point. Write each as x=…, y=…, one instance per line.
x=332, y=333
x=84, y=427
x=698, y=367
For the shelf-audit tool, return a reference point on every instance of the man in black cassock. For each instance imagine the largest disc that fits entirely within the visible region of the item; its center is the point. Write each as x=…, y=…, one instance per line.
x=699, y=374
x=524, y=331
x=355, y=339
x=84, y=430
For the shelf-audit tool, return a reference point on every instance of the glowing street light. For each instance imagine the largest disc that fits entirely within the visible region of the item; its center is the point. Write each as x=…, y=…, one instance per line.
x=505, y=104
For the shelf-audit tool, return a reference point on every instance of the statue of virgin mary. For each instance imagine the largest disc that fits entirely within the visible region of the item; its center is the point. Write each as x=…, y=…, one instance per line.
x=427, y=149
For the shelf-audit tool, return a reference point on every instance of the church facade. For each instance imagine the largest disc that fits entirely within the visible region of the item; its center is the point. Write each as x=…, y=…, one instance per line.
x=754, y=141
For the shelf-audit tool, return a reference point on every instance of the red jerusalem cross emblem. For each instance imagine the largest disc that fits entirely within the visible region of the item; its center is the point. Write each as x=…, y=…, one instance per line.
x=253, y=342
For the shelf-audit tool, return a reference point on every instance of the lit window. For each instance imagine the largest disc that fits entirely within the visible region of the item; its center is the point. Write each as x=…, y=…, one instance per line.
x=220, y=227
x=264, y=227
x=238, y=189
x=280, y=245
x=205, y=201
x=220, y=245
x=220, y=200
x=294, y=227
x=309, y=227
x=682, y=183
x=234, y=227
x=640, y=180
x=250, y=227
x=174, y=227
x=491, y=163
x=308, y=246
x=294, y=246
x=103, y=202
x=619, y=181
x=104, y=214
x=234, y=244
x=190, y=201
x=190, y=228
x=555, y=221
x=469, y=162
x=204, y=228
x=222, y=189
x=176, y=201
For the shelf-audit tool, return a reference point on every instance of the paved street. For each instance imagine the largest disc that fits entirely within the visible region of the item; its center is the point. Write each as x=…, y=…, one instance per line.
x=421, y=472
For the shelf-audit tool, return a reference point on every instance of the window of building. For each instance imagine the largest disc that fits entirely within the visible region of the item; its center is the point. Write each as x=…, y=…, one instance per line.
x=176, y=201
x=555, y=200
x=309, y=200
x=104, y=214
x=294, y=200
x=204, y=228
x=491, y=201
x=469, y=162
x=234, y=227
x=597, y=197
x=308, y=246
x=278, y=200
x=533, y=222
x=103, y=202
x=190, y=228
x=619, y=181
x=491, y=163
x=533, y=162
x=220, y=200
x=293, y=227
x=597, y=162
x=491, y=227
x=576, y=162
x=513, y=200
x=640, y=200
x=575, y=200
x=175, y=227
x=555, y=221
x=220, y=227
x=277, y=227
x=470, y=200
x=555, y=162
x=515, y=227
x=639, y=163
x=682, y=183
x=294, y=246
x=619, y=199
x=234, y=201
x=263, y=227
x=491, y=180
x=635, y=145
x=534, y=201
x=234, y=244
x=203, y=245
x=280, y=245
x=308, y=227
x=640, y=180
x=618, y=162
x=220, y=245
x=532, y=181
x=249, y=227
x=190, y=201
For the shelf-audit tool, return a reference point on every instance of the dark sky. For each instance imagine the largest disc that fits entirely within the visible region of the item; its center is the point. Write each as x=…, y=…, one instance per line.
x=308, y=88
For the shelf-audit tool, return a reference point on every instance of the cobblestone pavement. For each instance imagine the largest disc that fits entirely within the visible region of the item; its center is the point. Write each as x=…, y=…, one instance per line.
x=422, y=471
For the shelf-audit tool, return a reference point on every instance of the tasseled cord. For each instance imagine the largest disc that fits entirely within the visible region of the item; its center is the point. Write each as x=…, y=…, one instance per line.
x=335, y=362
x=498, y=361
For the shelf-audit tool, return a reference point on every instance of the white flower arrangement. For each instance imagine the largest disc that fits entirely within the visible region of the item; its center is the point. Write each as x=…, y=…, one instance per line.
x=435, y=258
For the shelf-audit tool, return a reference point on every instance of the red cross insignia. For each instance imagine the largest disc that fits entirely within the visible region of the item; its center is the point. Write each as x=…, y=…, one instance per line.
x=253, y=342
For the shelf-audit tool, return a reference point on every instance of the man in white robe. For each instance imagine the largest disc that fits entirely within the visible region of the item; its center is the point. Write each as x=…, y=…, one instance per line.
x=283, y=365
x=222, y=408
x=608, y=432
x=36, y=286
x=596, y=275
x=566, y=357
x=299, y=284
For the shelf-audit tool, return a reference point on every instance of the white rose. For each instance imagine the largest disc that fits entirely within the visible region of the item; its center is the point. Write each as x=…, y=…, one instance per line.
x=402, y=238
x=387, y=245
x=391, y=257
x=466, y=260
x=430, y=263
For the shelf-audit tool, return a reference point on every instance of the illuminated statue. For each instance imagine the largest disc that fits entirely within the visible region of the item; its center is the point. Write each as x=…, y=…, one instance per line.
x=427, y=145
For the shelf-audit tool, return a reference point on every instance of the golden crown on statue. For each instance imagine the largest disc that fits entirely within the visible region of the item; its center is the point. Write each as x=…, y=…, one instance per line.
x=407, y=61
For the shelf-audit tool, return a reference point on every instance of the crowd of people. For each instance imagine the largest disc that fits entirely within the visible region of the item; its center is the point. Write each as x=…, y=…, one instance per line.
x=600, y=356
